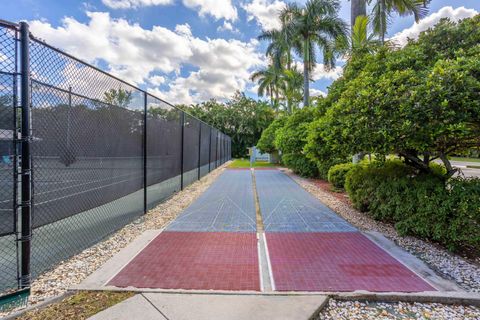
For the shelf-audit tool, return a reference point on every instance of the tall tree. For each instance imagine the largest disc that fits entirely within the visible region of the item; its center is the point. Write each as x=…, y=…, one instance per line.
x=361, y=41
x=384, y=9
x=316, y=24
x=269, y=82
x=292, y=88
x=357, y=8
x=119, y=98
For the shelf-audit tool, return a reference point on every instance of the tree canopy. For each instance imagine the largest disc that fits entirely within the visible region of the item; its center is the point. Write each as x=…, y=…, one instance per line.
x=421, y=102
x=242, y=118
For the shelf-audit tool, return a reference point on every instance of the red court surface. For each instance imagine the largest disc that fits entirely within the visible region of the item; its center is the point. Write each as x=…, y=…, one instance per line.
x=341, y=261
x=195, y=260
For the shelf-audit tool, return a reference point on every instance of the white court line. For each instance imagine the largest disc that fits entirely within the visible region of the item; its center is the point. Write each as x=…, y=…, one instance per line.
x=270, y=272
x=260, y=266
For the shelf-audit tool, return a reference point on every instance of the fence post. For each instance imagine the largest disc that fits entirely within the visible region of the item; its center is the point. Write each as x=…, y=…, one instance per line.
x=209, y=148
x=182, y=121
x=26, y=183
x=145, y=106
x=199, y=149
x=216, y=150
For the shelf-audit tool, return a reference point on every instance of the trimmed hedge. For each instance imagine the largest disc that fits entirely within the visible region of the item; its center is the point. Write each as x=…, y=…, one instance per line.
x=426, y=206
x=338, y=173
x=300, y=165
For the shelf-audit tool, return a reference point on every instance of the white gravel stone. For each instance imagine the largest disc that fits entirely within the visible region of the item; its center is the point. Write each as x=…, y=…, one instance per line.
x=352, y=310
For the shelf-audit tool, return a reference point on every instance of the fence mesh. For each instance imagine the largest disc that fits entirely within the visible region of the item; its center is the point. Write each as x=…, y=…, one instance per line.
x=164, y=138
x=8, y=161
x=102, y=152
x=204, y=149
x=87, y=155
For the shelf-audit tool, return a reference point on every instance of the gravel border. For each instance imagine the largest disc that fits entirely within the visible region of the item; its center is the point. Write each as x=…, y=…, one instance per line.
x=74, y=270
x=450, y=266
x=351, y=310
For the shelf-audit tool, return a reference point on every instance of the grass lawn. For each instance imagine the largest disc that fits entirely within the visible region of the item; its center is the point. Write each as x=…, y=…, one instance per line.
x=245, y=163
x=465, y=159
x=79, y=306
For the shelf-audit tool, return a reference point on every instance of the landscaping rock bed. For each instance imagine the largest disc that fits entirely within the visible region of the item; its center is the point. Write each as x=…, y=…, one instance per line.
x=73, y=271
x=466, y=273
x=351, y=310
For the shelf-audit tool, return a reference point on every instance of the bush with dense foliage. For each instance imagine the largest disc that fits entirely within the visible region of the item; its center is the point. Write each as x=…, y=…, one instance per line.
x=323, y=154
x=338, y=173
x=291, y=139
x=242, y=118
x=266, y=144
x=424, y=205
x=420, y=102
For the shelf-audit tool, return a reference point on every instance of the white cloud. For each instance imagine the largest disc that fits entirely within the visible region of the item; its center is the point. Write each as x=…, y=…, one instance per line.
x=227, y=26
x=265, y=12
x=216, y=8
x=129, y=4
x=184, y=29
x=320, y=72
x=316, y=92
x=402, y=37
x=156, y=80
x=224, y=67
x=220, y=67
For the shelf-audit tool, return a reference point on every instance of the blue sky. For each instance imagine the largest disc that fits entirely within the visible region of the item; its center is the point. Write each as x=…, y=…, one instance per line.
x=184, y=51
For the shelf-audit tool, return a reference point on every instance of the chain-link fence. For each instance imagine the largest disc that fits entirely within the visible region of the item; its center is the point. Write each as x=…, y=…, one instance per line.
x=100, y=152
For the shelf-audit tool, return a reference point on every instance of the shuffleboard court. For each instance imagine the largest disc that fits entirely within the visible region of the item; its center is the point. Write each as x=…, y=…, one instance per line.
x=286, y=207
x=196, y=261
x=340, y=261
x=227, y=206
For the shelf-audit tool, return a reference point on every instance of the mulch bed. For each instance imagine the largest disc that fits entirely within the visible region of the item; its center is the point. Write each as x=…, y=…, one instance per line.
x=327, y=187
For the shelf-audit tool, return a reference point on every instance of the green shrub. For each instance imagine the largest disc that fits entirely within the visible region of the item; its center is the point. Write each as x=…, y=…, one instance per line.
x=266, y=142
x=361, y=181
x=337, y=174
x=290, y=140
x=300, y=165
x=324, y=165
x=424, y=205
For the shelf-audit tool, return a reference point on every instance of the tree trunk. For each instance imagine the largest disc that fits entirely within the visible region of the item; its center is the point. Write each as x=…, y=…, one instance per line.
x=357, y=8
x=450, y=170
x=271, y=98
x=382, y=26
x=289, y=60
x=306, y=78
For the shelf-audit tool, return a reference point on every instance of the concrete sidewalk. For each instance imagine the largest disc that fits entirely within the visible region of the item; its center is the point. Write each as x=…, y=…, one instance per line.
x=171, y=306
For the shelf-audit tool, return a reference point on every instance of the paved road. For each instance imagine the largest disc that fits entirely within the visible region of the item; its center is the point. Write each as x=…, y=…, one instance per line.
x=468, y=172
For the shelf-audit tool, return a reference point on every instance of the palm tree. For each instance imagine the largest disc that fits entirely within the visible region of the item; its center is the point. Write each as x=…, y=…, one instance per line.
x=269, y=81
x=315, y=24
x=279, y=48
x=360, y=40
x=292, y=88
x=383, y=10
x=357, y=8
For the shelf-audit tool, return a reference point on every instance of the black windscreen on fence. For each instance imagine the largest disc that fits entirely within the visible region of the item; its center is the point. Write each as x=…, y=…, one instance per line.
x=8, y=160
x=164, y=150
x=204, y=149
x=213, y=148
x=101, y=151
x=87, y=155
